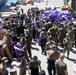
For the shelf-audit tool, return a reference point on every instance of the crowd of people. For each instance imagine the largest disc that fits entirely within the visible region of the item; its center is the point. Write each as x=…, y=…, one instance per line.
x=19, y=31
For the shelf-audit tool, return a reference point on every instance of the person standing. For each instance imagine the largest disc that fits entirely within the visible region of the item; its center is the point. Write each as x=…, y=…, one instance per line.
x=52, y=56
x=20, y=29
x=14, y=39
x=49, y=43
x=23, y=42
x=75, y=34
x=34, y=66
x=61, y=67
x=67, y=44
x=43, y=36
x=34, y=32
x=4, y=62
x=29, y=40
x=23, y=64
x=53, y=32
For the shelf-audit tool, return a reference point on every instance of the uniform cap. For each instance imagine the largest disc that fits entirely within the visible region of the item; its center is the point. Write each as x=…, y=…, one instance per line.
x=4, y=59
x=74, y=23
x=12, y=32
x=27, y=30
x=53, y=46
x=67, y=34
x=60, y=28
x=22, y=34
x=43, y=28
x=35, y=58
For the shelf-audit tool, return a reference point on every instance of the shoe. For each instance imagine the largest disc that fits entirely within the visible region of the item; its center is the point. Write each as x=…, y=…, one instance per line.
x=67, y=57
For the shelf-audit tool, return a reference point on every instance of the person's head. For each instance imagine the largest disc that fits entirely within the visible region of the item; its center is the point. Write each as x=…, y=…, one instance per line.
x=35, y=58
x=67, y=35
x=6, y=34
x=53, y=47
x=4, y=60
x=12, y=33
x=62, y=56
x=22, y=35
x=27, y=32
x=55, y=8
x=21, y=56
x=43, y=29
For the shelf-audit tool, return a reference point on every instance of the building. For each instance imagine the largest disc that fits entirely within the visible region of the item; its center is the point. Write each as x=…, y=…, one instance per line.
x=3, y=3
x=56, y=2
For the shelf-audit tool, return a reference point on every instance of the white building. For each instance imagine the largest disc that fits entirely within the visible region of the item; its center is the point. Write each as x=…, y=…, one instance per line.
x=55, y=2
x=19, y=1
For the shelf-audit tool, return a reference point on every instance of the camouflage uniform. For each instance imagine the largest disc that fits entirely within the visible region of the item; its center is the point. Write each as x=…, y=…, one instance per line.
x=67, y=46
x=23, y=42
x=47, y=25
x=61, y=36
x=75, y=34
x=53, y=31
x=29, y=40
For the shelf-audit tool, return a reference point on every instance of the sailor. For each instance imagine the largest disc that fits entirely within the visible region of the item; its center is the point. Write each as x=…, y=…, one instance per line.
x=67, y=44
x=49, y=43
x=4, y=51
x=29, y=40
x=52, y=56
x=34, y=66
x=44, y=36
x=53, y=32
x=23, y=42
